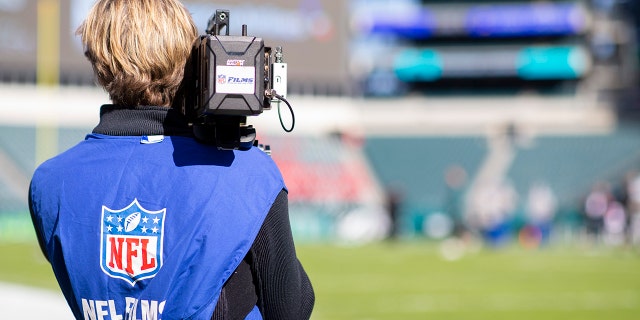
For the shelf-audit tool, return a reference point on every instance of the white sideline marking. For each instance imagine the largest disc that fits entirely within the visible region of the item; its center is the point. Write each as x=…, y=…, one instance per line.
x=20, y=302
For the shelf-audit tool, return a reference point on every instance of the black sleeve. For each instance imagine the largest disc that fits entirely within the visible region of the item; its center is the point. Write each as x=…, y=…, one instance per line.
x=283, y=287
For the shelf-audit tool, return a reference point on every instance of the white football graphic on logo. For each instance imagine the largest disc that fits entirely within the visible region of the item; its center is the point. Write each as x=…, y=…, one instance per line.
x=132, y=221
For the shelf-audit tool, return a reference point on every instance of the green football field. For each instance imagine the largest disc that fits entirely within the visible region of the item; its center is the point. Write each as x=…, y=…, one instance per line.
x=412, y=280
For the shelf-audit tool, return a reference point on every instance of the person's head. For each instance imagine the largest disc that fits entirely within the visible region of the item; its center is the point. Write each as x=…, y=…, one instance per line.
x=138, y=48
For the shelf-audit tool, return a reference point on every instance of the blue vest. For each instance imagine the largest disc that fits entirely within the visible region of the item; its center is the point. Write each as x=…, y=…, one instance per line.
x=149, y=229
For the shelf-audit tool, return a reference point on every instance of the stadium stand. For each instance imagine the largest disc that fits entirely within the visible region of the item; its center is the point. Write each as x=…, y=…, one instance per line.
x=418, y=164
x=570, y=165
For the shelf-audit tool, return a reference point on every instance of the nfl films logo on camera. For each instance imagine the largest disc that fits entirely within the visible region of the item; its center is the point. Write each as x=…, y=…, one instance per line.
x=131, y=245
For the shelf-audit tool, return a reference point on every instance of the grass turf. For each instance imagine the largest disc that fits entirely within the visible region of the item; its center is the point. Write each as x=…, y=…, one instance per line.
x=412, y=281
x=24, y=263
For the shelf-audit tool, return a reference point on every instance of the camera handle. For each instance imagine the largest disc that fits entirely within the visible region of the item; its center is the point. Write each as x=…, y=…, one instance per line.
x=218, y=21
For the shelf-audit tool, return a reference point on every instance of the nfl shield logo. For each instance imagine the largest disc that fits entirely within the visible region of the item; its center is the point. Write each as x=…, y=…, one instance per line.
x=222, y=79
x=131, y=245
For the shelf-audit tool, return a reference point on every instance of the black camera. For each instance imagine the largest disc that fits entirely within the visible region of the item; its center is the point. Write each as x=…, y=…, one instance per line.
x=229, y=78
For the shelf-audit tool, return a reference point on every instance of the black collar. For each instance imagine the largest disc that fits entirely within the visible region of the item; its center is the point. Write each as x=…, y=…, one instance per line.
x=141, y=120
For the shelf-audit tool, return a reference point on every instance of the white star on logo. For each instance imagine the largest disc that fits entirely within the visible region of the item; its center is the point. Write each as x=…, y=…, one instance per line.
x=145, y=219
x=144, y=229
x=119, y=228
x=119, y=219
x=109, y=228
x=156, y=220
x=154, y=229
x=109, y=218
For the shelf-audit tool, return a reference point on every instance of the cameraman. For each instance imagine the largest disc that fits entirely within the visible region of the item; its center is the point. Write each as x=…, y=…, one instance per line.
x=139, y=220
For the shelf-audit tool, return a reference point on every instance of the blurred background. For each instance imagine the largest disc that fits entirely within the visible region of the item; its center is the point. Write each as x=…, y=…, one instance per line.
x=436, y=143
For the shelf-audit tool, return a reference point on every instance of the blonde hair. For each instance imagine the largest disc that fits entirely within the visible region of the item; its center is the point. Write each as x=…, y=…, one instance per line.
x=138, y=48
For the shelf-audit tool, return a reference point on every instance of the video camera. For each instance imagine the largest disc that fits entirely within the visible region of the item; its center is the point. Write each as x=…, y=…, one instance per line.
x=229, y=78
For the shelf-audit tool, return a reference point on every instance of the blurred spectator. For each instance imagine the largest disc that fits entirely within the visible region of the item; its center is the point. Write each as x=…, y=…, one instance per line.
x=633, y=207
x=455, y=180
x=634, y=229
x=495, y=204
x=595, y=208
x=615, y=223
x=394, y=199
x=541, y=209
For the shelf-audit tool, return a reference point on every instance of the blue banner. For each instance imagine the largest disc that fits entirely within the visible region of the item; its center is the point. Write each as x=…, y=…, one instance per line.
x=489, y=20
